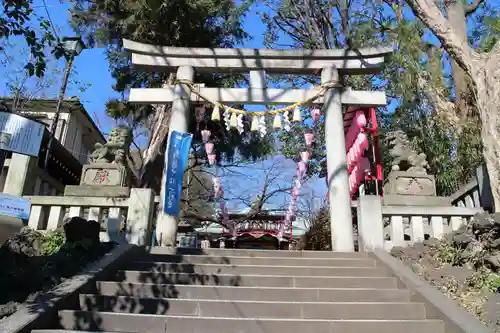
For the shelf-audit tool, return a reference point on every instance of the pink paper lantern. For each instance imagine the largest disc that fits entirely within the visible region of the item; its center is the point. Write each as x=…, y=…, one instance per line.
x=315, y=114
x=211, y=158
x=222, y=205
x=305, y=155
x=209, y=147
x=360, y=119
x=205, y=135
x=309, y=138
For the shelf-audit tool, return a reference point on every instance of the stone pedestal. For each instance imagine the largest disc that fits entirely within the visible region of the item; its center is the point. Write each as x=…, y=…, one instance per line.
x=102, y=180
x=105, y=174
x=407, y=188
x=410, y=183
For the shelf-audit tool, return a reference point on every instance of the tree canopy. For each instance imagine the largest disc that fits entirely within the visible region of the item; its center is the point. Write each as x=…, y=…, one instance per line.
x=421, y=89
x=18, y=19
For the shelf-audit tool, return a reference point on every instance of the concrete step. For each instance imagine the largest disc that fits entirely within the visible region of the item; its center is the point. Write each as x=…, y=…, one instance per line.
x=122, y=322
x=283, y=294
x=169, y=268
x=253, y=309
x=254, y=280
x=63, y=331
x=158, y=250
x=158, y=262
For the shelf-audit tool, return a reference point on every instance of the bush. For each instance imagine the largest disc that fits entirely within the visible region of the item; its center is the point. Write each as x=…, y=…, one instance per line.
x=51, y=242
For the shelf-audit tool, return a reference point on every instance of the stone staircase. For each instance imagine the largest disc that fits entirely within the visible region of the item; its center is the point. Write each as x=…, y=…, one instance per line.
x=247, y=291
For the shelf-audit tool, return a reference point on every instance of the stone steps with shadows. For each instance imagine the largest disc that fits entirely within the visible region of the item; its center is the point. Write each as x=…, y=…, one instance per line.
x=247, y=291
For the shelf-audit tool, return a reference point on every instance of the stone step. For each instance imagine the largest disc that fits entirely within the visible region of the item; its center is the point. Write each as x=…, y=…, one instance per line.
x=158, y=262
x=242, y=280
x=63, y=331
x=283, y=294
x=170, y=268
x=158, y=250
x=253, y=309
x=125, y=322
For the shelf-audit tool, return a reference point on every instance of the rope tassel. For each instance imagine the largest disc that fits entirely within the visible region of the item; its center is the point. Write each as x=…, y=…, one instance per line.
x=216, y=113
x=234, y=120
x=255, y=124
x=296, y=115
x=277, y=122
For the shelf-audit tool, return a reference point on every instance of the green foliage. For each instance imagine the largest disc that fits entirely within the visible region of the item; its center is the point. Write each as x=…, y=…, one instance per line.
x=192, y=23
x=18, y=19
x=414, y=76
x=448, y=254
x=51, y=242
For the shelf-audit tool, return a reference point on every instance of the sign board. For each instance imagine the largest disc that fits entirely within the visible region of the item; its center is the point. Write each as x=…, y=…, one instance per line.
x=20, y=135
x=14, y=206
x=176, y=161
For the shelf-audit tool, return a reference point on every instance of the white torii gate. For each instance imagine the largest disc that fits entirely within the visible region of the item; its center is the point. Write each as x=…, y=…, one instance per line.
x=331, y=64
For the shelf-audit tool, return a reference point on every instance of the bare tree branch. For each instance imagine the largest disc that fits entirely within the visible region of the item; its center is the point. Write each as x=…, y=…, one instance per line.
x=433, y=18
x=471, y=8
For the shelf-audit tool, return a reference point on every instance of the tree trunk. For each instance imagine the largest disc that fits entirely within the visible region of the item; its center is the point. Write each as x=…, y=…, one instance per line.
x=488, y=103
x=455, y=12
x=483, y=71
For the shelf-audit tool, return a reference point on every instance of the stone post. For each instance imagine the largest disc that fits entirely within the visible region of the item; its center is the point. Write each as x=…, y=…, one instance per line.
x=21, y=175
x=338, y=181
x=140, y=216
x=370, y=223
x=166, y=225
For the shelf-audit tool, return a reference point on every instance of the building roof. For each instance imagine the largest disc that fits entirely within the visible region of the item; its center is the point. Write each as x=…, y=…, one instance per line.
x=49, y=105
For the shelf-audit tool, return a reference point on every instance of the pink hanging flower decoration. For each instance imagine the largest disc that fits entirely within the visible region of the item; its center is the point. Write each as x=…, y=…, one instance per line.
x=302, y=166
x=211, y=159
x=309, y=138
x=205, y=135
x=209, y=147
x=305, y=155
x=315, y=114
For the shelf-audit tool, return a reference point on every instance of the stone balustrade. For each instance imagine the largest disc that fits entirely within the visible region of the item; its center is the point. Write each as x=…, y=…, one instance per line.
x=382, y=226
x=122, y=219
x=467, y=196
x=404, y=225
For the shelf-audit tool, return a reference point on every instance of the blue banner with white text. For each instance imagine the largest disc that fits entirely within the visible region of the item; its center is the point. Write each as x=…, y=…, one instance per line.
x=176, y=160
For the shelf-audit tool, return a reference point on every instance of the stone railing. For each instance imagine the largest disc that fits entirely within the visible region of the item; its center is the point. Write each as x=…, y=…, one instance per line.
x=388, y=226
x=122, y=219
x=467, y=196
x=404, y=225
x=476, y=193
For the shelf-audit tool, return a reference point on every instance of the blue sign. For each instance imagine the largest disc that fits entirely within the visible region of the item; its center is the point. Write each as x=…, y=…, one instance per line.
x=176, y=159
x=14, y=206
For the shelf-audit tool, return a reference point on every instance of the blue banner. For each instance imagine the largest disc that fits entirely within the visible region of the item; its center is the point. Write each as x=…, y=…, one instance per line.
x=176, y=160
x=14, y=206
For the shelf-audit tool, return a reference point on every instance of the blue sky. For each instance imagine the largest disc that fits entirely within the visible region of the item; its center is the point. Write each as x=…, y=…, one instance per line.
x=91, y=71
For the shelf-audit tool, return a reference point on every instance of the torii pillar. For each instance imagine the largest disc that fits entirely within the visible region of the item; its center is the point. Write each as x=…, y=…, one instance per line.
x=336, y=159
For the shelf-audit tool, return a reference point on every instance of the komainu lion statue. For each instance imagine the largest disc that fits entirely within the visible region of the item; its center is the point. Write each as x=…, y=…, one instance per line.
x=116, y=149
x=404, y=156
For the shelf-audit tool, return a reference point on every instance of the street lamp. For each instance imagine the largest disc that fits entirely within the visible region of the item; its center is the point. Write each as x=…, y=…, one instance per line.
x=73, y=47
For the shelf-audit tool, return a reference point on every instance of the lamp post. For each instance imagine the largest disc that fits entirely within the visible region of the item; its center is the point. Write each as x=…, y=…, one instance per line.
x=73, y=46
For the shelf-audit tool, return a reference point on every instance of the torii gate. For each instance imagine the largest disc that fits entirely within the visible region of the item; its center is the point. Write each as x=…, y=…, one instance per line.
x=331, y=64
